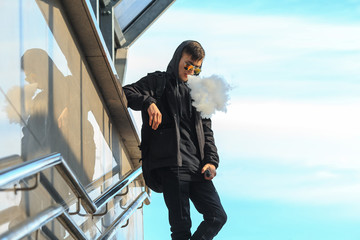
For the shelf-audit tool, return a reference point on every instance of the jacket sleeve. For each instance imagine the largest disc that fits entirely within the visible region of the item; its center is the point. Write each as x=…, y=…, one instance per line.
x=140, y=94
x=210, y=150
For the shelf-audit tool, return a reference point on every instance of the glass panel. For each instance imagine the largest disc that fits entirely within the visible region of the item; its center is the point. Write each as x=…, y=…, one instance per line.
x=127, y=10
x=49, y=103
x=134, y=230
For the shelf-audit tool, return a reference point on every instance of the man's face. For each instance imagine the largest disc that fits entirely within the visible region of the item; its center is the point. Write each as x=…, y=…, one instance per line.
x=186, y=60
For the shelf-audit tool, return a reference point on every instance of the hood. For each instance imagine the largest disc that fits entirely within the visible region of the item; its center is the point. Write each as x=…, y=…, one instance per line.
x=173, y=67
x=173, y=71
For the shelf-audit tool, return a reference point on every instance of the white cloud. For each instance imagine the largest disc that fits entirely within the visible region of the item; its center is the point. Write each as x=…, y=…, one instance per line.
x=304, y=133
x=236, y=42
x=304, y=152
x=284, y=32
x=298, y=117
x=291, y=187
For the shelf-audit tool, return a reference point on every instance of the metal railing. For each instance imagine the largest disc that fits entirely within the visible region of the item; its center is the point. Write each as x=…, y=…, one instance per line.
x=58, y=212
x=111, y=230
x=32, y=167
x=106, y=196
x=44, y=217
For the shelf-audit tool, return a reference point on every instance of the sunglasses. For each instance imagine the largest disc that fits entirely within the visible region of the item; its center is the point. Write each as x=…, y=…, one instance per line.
x=189, y=67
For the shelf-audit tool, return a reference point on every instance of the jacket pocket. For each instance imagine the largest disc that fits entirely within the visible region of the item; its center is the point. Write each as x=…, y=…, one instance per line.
x=163, y=144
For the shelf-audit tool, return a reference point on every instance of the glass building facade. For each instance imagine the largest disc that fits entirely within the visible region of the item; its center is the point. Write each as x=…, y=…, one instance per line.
x=54, y=99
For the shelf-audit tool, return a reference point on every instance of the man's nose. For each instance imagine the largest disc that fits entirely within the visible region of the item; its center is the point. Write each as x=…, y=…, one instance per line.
x=191, y=71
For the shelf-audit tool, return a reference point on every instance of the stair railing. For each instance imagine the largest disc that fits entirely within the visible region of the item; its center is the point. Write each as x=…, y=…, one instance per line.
x=34, y=223
x=32, y=167
x=111, y=230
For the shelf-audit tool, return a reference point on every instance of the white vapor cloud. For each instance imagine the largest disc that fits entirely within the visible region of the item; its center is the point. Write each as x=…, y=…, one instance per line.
x=210, y=94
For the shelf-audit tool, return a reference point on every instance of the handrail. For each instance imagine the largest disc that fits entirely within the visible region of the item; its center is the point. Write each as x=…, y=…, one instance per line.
x=106, y=196
x=29, y=168
x=32, y=167
x=111, y=230
x=76, y=186
x=71, y=226
x=36, y=222
x=58, y=212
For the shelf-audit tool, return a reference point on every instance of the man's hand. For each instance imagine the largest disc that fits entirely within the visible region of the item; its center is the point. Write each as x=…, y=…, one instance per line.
x=212, y=170
x=154, y=116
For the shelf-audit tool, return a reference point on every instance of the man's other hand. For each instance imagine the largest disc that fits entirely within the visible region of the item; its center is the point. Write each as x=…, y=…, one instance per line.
x=154, y=116
x=212, y=170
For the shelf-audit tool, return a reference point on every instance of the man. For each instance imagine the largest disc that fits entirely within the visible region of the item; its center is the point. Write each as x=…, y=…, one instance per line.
x=177, y=145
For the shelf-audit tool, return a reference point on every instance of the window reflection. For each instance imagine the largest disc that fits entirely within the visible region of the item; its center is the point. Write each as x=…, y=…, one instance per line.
x=48, y=103
x=127, y=10
x=103, y=153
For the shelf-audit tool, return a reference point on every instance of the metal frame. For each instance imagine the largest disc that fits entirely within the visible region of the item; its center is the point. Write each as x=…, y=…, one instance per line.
x=111, y=230
x=144, y=20
x=16, y=189
x=59, y=213
x=113, y=35
x=106, y=196
x=29, y=168
x=44, y=217
x=32, y=167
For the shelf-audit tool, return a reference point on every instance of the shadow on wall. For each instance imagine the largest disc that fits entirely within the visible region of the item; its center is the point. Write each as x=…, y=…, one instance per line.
x=50, y=113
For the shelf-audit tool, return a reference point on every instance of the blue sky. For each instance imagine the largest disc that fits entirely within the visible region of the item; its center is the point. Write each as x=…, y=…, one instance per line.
x=289, y=142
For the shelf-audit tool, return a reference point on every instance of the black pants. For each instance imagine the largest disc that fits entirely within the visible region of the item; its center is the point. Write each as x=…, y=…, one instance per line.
x=205, y=199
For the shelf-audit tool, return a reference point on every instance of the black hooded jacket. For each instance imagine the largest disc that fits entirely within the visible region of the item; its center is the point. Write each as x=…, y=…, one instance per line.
x=161, y=147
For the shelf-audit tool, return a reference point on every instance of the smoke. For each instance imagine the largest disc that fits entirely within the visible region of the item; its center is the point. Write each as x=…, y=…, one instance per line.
x=20, y=102
x=210, y=94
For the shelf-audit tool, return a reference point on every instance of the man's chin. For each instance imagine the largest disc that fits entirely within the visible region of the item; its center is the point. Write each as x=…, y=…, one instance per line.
x=184, y=79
